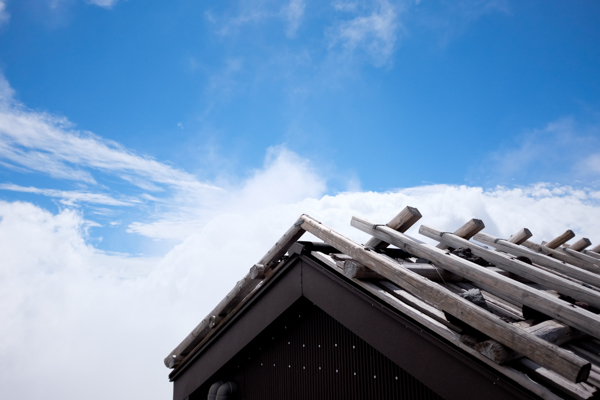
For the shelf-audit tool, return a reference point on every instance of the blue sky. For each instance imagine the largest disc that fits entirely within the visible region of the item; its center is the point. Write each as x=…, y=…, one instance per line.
x=142, y=140
x=376, y=95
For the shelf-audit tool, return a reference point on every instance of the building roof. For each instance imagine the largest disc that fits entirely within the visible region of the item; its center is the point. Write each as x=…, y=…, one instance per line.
x=527, y=311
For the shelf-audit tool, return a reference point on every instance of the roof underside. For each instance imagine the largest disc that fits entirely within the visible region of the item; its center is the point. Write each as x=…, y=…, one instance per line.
x=528, y=311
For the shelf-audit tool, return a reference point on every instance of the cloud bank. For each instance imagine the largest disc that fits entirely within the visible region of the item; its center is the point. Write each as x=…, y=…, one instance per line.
x=86, y=323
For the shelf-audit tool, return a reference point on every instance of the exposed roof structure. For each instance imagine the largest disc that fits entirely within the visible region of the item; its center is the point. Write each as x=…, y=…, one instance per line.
x=527, y=311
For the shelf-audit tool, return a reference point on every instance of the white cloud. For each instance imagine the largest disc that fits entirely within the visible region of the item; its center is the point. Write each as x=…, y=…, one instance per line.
x=4, y=15
x=562, y=151
x=103, y=3
x=374, y=30
x=70, y=197
x=294, y=12
x=65, y=303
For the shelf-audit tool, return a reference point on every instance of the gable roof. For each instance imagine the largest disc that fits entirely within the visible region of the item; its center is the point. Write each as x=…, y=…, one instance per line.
x=535, y=296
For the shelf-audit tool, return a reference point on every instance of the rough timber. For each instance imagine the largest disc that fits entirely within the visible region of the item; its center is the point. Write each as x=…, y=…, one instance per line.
x=540, y=327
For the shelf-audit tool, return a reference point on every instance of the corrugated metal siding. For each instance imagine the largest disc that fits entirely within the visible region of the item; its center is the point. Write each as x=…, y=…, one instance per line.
x=306, y=354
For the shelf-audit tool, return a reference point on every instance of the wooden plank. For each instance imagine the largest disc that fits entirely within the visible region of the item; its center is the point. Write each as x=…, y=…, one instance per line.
x=242, y=289
x=541, y=259
x=448, y=334
x=467, y=231
x=581, y=244
x=562, y=239
x=401, y=223
x=517, y=267
x=546, y=354
x=520, y=236
x=571, y=257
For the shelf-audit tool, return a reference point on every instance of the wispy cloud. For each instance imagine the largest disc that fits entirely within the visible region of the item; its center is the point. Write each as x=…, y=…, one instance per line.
x=103, y=3
x=254, y=12
x=4, y=15
x=70, y=197
x=373, y=30
x=50, y=145
x=563, y=151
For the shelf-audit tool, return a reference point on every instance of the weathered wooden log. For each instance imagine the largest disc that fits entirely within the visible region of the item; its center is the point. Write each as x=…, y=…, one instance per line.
x=451, y=335
x=552, y=331
x=581, y=244
x=578, y=391
x=546, y=354
x=467, y=231
x=520, y=236
x=541, y=259
x=591, y=254
x=214, y=320
x=562, y=239
x=520, y=268
x=237, y=294
x=257, y=271
x=596, y=249
x=564, y=254
x=355, y=270
x=401, y=223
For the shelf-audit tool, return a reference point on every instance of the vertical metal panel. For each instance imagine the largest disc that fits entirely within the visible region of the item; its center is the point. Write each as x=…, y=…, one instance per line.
x=306, y=354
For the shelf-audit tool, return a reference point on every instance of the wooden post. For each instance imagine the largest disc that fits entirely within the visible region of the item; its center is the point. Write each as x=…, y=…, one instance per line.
x=401, y=223
x=544, y=353
x=562, y=239
x=520, y=236
x=519, y=268
x=581, y=244
x=467, y=231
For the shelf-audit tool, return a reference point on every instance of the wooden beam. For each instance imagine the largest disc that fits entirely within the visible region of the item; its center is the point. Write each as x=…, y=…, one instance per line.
x=596, y=249
x=235, y=296
x=548, y=355
x=450, y=335
x=581, y=244
x=562, y=239
x=466, y=231
x=257, y=271
x=520, y=236
x=519, y=268
x=564, y=254
x=401, y=223
x=512, y=290
x=541, y=259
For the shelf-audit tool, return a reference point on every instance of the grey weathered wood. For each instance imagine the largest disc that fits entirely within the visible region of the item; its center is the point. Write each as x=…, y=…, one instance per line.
x=562, y=239
x=401, y=223
x=257, y=271
x=552, y=331
x=546, y=354
x=520, y=236
x=520, y=268
x=591, y=254
x=541, y=259
x=214, y=320
x=581, y=244
x=576, y=390
x=596, y=249
x=467, y=231
x=447, y=333
x=354, y=269
x=564, y=254
x=235, y=296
